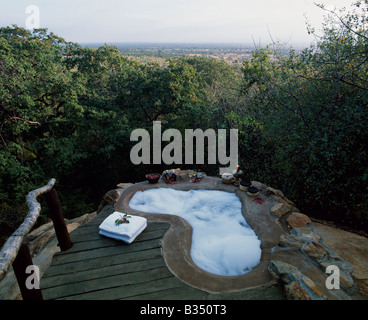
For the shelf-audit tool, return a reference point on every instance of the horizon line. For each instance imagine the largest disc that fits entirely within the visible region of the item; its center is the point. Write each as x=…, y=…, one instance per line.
x=186, y=43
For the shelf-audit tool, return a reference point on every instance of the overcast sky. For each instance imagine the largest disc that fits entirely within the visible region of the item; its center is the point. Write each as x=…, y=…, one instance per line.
x=189, y=21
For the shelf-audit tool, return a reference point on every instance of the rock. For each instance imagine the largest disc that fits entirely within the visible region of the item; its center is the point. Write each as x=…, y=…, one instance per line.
x=341, y=264
x=288, y=203
x=345, y=279
x=306, y=233
x=124, y=185
x=275, y=192
x=352, y=248
x=297, y=285
x=292, y=276
x=280, y=197
x=259, y=185
x=315, y=251
x=279, y=269
x=112, y=196
x=298, y=220
x=303, y=288
x=347, y=283
x=39, y=231
x=319, y=246
x=279, y=210
x=308, y=282
x=36, y=244
x=292, y=241
x=294, y=291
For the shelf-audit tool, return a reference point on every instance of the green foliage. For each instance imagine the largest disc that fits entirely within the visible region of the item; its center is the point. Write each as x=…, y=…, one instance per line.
x=67, y=112
x=314, y=117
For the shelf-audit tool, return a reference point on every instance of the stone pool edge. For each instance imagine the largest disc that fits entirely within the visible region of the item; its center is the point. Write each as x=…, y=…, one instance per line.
x=176, y=243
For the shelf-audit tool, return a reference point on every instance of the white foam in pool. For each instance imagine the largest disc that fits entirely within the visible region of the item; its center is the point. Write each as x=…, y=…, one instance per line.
x=222, y=242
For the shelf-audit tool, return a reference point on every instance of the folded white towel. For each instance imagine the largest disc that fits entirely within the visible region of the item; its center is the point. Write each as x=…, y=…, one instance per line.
x=122, y=237
x=126, y=232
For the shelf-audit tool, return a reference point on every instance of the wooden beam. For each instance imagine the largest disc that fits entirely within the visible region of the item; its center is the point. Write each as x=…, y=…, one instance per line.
x=29, y=290
x=56, y=216
x=12, y=245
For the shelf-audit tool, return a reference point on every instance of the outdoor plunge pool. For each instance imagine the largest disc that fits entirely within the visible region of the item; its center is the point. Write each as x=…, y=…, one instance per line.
x=222, y=241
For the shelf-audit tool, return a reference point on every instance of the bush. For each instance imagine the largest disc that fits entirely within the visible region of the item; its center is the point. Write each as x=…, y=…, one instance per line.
x=314, y=114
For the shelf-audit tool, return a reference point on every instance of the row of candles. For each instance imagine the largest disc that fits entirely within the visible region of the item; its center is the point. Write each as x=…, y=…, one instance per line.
x=237, y=179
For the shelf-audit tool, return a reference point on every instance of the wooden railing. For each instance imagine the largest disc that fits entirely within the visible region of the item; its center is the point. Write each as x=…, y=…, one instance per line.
x=16, y=253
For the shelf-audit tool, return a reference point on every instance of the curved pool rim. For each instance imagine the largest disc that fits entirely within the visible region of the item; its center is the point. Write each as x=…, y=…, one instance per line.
x=176, y=244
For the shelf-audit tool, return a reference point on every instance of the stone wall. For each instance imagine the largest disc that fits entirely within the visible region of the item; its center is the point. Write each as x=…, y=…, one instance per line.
x=308, y=248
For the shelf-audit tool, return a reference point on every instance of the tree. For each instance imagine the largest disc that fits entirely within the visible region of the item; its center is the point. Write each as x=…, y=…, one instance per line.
x=314, y=114
x=33, y=89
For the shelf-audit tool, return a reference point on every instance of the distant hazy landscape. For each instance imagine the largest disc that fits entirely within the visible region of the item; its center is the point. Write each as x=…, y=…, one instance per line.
x=158, y=52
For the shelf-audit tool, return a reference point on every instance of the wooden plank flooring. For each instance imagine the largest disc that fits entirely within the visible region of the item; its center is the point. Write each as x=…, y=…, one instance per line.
x=100, y=268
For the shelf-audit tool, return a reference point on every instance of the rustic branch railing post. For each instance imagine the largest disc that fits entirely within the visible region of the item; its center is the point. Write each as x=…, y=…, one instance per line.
x=20, y=265
x=15, y=252
x=57, y=218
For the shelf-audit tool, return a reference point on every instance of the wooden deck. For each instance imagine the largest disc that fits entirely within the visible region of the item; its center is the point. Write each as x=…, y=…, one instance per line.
x=101, y=268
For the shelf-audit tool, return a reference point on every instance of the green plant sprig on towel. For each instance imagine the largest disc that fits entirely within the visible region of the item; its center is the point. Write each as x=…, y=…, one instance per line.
x=123, y=219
